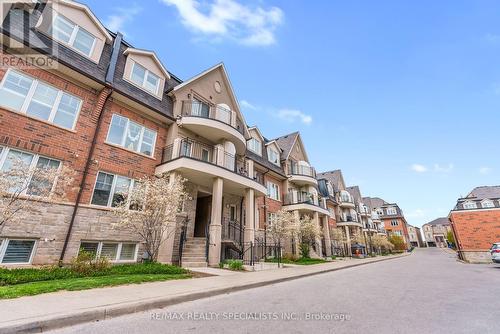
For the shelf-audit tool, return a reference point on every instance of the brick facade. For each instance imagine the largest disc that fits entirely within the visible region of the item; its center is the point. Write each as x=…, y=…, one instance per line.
x=475, y=231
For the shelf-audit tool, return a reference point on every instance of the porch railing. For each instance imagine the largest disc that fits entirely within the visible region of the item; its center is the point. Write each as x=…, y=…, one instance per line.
x=296, y=169
x=303, y=198
x=205, y=110
x=232, y=231
x=197, y=150
x=254, y=252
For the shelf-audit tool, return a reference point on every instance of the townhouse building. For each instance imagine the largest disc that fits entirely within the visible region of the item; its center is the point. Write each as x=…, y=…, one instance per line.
x=475, y=222
x=114, y=113
x=415, y=236
x=392, y=217
x=436, y=232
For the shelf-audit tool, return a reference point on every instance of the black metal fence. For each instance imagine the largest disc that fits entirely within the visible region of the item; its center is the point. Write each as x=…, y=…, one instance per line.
x=255, y=252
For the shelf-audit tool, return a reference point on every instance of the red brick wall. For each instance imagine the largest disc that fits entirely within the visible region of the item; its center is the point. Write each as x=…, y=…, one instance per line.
x=476, y=230
x=72, y=147
x=272, y=205
x=332, y=222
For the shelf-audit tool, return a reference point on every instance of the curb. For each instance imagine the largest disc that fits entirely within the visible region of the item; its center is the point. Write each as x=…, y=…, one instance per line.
x=111, y=311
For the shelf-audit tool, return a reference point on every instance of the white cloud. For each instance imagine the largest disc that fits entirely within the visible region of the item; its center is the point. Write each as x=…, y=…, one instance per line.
x=118, y=20
x=292, y=115
x=247, y=105
x=443, y=169
x=484, y=170
x=253, y=26
x=419, y=168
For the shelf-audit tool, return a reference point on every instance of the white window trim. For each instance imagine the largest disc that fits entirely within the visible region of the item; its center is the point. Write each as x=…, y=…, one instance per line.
x=259, y=152
x=277, y=155
x=490, y=202
x=31, y=168
x=141, y=137
x=277, y=191
x=469, y=202
x=391, y=211
x=29, y=97
x=156, y=93
x=118, y=249
x=72, y=38
x=3, y=249
x=112, y=190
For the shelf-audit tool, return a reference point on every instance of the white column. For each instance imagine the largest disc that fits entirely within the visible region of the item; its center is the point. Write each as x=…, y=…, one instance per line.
x=214, y=248
x=249, y=235
x=318, y=240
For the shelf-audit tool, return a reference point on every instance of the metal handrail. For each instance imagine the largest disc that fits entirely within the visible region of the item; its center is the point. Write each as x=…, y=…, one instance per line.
x=193, y=108
x=296, y=169
x=182, y=241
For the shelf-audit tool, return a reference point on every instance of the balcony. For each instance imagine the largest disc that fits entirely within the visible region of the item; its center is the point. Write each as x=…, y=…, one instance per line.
x=349, y=220
x=302, y=175
x=303, y=201
x=375, y=217
x=200, y=163
x=213, y=122
x=346, y=202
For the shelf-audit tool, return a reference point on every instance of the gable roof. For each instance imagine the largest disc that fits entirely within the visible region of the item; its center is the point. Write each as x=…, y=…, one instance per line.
x=90, y=14
x=374, y=202
x=439, y=221
x=286, y=143
x=149, y=54
x=355, y=193
x=256, y=129
x=485, y=192
x=225, y=77
x=335, y=177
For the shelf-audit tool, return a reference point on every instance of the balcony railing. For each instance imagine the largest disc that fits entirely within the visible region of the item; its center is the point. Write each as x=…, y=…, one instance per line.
x=207, y=153
x=233, y=231
x=218, y=113
x=296, y=169
x=346, y=199
x=348, y=218
x=303, y=198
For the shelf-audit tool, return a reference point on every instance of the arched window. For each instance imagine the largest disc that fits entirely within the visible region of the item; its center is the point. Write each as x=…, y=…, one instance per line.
x=229, y=155
x=345, y=196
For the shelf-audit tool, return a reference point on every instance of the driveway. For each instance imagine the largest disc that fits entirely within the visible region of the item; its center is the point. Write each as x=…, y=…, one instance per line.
x=428, y=292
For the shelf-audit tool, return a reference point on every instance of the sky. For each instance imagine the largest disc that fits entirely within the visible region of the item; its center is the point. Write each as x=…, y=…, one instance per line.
x=403, y=96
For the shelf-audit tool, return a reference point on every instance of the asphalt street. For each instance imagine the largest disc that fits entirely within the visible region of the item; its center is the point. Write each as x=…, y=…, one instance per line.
x=427, y=292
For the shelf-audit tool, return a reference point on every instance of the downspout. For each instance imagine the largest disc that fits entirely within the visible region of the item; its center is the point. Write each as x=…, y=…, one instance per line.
x=101, y=102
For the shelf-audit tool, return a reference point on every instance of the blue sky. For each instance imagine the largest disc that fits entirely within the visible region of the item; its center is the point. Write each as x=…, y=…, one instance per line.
x=403, y=96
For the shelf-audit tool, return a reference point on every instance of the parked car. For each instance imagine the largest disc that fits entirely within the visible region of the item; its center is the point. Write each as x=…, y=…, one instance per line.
x=495, y=252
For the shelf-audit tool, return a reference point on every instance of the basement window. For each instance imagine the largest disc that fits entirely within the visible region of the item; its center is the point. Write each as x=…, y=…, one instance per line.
x=113, y=251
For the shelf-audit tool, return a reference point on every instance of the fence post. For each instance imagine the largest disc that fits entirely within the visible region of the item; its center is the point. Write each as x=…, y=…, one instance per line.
x=251, y=253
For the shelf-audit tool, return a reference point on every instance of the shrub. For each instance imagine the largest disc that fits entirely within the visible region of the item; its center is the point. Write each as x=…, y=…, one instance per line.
x=153, y=268
x=235, y=265
x=305, y=250
x=87, y=264
x=334, y=257
x=25, y=275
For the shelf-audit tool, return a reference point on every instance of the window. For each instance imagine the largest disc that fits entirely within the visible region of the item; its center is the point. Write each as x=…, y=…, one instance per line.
x=273, y=156
x=72, y=35
x=200, y=109
x=470, y=205
x=34, y=98
x=255, y=146
x=271, y=218
x=28, y=183
x=132, y=136
x=232, y=213
x=114, y=251
x=399, y=233
x=145, y=79
x=487, y=204
x=111, y=190
x=14, y=251
x=391, y=211
x=394, y=223
x=345, y=197
x=273, y=191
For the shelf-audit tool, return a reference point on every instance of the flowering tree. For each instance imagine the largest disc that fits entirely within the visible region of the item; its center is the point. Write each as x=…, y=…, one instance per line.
x=309, y=231
x=284, y=226
x=23, y=187
x=358, y=238
x=337, y=236
x=380, y=242
x=150, y=210
x=398, y=242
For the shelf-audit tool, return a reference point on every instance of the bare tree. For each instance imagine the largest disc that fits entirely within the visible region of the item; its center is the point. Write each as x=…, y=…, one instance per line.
x=151, y=209
x=23, y=188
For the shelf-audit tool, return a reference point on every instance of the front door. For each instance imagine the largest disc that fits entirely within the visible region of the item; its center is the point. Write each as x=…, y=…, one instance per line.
x=203, y=213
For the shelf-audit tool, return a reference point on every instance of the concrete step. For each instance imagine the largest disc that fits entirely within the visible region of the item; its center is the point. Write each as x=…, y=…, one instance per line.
x=193, y=264
x=193, y=259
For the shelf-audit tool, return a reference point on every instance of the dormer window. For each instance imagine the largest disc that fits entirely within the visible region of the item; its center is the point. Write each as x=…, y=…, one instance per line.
x=72, y=35
x=391, y=211
x=144, y=78
x=470, y=205
x=487, y=204
x=255, y=146
x=273, y=156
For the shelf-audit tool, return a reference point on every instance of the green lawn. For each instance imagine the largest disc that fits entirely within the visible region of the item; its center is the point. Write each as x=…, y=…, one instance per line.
x=27, y=282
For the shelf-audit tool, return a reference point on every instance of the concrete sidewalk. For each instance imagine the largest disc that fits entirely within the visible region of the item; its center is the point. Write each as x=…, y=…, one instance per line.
x=66, y=308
